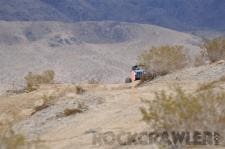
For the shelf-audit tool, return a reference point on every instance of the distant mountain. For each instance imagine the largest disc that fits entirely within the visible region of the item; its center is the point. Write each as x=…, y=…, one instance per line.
x=176, y=14
x=27, y=10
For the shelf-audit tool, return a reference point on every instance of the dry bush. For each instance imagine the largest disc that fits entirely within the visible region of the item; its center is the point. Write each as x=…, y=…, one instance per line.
x=215, y=48
x=48, y=76
x=72, y=111
x=9, y=139
x=12, y=142
x=163, y=60
x=34, y=80
x=94, y=81
x=48, y=98
x=68, y=112
x=61, y=92
x=79, y=90
x=183, y=111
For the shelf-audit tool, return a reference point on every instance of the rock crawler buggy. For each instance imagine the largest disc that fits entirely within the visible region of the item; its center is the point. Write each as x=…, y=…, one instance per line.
x=136, y=74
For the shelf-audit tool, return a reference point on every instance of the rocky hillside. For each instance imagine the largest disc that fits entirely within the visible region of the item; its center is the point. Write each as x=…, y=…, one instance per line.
x=82, y=51
x=176, y=14
x=57, y=116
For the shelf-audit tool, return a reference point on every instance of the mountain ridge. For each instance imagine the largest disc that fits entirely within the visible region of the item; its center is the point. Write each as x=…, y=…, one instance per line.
x=175, y=14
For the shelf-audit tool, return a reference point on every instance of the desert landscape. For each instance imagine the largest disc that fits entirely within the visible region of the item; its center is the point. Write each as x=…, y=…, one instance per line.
x=104, y=51
x=41, y=116
x=65, y=64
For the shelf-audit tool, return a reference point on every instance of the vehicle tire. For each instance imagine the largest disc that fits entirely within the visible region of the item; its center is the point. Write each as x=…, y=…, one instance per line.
x=128, y=80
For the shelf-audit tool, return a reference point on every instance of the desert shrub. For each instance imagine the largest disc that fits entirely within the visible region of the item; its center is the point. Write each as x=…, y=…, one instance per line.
x=79, y=90
x=68, y=112
x=184, y=111
x=163, y=60
x=34, y=80
x=48, y=76
x=94, y=81
x=81, y=107
x=12, y=142
x=9, y=139
x=47, y=97
x=215, y=48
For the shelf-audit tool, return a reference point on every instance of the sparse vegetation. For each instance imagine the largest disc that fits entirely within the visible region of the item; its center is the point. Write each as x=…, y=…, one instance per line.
x=48, y=76
x=94, y=81
x=9, y=139
x=181, y=110
x=215, y=48
x=34, y=80
x=79, y=90
x=72, y=111
x=163, y=60
x=14, y=90
x=206, y=86
x=68, y=112
x=47, y=98
x=12, y=142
